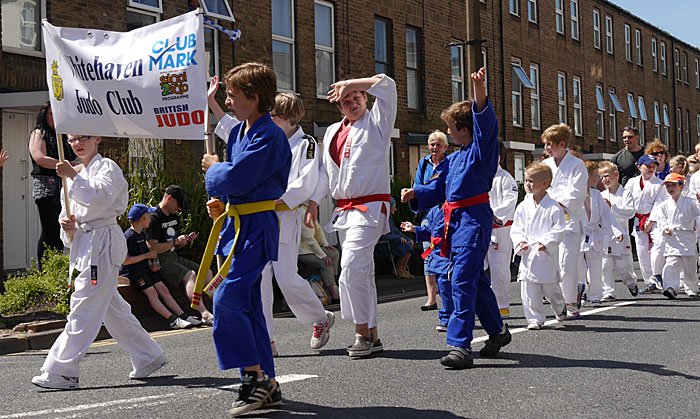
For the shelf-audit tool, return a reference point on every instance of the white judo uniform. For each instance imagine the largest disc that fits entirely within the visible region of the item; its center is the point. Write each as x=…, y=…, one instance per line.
x=538, y=270
x=98, y=194
x=644, y=201
x=363, y=171
x=301, y=299
x=680, y=247
x=617, y=257
x=599, y=230
x=503, y=197
x=569, y=185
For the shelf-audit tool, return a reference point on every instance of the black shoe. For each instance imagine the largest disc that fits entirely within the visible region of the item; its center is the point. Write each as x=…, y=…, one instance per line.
x=670, y=293
x=458, y=358
x=252, y=393
x=335, y=301
x=429, y=308
x=496, y=342
x=377, y=346
x=274, y=399
x=634, y=290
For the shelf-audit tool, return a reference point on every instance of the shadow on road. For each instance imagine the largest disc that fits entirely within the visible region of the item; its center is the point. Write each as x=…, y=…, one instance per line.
x=291, y=407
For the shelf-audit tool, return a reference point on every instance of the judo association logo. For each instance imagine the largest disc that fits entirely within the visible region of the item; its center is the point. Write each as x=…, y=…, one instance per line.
x=174, y=84
x=56, y=82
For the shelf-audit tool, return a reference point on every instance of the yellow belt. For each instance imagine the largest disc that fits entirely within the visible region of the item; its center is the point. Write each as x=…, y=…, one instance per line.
x=235, y=212
x=284, y=207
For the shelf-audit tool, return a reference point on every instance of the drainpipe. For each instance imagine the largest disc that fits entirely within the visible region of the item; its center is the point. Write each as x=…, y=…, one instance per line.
x=503, y=71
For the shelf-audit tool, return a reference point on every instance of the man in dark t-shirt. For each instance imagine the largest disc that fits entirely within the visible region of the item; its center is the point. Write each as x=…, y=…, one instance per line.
x=164, y=237
x=626, y=159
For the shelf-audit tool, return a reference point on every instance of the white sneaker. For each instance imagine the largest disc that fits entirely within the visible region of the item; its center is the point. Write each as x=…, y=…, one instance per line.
x=194, y=321
x=178, y=323
x=48, y=380
x=534, y=326
x=274, y=349
x=149, y=369
x=322, y=331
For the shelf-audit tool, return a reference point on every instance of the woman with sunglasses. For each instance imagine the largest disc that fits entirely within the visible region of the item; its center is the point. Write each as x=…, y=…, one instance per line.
x=660, y=153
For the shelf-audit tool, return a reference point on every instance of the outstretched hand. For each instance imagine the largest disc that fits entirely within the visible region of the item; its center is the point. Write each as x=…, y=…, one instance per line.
x=407, y=194
x=213, y=87
x=337, y=92
x=3, y=156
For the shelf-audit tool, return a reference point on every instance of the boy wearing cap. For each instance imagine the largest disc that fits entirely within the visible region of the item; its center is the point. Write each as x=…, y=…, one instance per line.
x=646, y=191
x=141, y=271
x=163, y=237
x=676, y=220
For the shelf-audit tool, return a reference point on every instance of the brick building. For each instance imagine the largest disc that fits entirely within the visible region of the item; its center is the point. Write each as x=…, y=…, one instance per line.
x=574, y=51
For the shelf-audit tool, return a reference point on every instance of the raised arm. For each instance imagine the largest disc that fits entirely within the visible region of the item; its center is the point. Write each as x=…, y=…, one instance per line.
x=480, y=98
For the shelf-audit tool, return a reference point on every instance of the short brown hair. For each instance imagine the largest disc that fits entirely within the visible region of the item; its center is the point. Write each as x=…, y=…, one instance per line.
x=591, y=166
x=254, y=79
x=655, y=146
x=289, y=106
x=557, y=134
x=540, y=171
x=460, y=114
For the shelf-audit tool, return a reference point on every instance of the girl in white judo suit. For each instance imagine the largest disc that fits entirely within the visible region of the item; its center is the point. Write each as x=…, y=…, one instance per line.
x=676, y=220
x=356, y=170
x=599, y=229
x=617, y=256
x=98, y=193
x=503, y=197
x=538, y=228
x=646, y=190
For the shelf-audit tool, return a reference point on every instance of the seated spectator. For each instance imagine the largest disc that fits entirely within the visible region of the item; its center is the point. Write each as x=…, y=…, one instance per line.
x=164, y=237
x=141, y=271
x=396, y=244
x=315, y=252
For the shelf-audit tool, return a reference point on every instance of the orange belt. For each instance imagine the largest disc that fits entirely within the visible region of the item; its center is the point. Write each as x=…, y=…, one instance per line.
x=434, y=241
x=355, y=203
x=447, y=210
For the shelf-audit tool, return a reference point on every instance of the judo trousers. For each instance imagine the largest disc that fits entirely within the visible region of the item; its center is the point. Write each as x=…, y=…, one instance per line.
x=569, y=259
x=499, y=265
x=641, y=240
x=620, y=265
x=240, y=333
x=657, y=252
x=358, y=291
x=677, y=265
x=297, y=292
x=90, y=306
x=533, y=306
x=472, y=295
x=592, y=263
x=445, y=291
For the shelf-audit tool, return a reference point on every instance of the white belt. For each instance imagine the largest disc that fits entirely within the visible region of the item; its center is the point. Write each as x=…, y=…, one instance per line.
x=88, y=228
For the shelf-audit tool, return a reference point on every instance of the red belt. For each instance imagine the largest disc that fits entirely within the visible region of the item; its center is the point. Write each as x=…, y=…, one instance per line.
x=508, y=224
x=643, y=218
x=355, y=203
x=447, y=210
x=434, y=241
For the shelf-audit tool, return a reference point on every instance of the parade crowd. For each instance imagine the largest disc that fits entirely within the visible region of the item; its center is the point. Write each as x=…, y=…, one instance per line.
x=570, y=232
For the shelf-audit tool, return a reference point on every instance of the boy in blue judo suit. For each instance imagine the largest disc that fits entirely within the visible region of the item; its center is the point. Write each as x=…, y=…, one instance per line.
x=464, y=186
x=432, y=233
x=253, y=177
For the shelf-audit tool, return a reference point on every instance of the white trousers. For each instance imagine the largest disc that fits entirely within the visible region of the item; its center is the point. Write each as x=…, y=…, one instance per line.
x=533, y=306
x=657, y=252
x=677, y=265
x=641, y=240
x=617, y=265
x=569, y=256
x=498, y=261
x=297, y=292
x=593, y=262
x=90, y=306
x=358, y=291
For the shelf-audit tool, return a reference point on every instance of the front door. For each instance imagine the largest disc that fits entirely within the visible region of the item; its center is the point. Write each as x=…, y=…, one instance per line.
x=21, y=226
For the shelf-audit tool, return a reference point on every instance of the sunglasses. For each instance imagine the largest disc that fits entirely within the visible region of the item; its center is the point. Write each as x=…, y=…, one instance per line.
x=658, y=153
x=82, y=139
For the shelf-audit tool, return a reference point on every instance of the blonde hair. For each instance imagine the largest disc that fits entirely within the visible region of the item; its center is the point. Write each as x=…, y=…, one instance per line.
x=439, y=135
x=557, y=134
x=539, y=171
x=607, y=165
x=682, y=162
x=289, y=106
x=591, y=166
x=697, y=148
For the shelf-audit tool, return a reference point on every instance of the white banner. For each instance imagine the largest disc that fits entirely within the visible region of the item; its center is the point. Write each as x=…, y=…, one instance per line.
x=150, y=82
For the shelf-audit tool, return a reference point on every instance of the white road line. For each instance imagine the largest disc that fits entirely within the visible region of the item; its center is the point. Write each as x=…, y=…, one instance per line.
x=551, y=322
x=147, y=400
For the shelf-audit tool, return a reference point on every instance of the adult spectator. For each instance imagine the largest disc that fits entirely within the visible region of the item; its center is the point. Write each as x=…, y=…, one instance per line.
x=46, y=185
x=164, y=237
x=395, y=243
x=626, y=159
x=316, y=253
x=660, y=153
x=428, y=165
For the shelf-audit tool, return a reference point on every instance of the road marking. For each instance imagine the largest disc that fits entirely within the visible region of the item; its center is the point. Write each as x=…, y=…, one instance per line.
x=147, y=400
x=554, y=321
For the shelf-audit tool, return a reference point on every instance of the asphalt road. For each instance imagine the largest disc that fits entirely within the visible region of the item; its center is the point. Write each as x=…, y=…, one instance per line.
x=632, y=358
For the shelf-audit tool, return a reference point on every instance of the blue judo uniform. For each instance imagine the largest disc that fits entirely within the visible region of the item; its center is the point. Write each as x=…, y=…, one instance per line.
x=437, y=264
x=468, y=173
x=256, y=169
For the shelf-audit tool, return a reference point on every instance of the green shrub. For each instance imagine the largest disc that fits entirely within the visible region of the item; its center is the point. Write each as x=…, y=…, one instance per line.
x=47, y=288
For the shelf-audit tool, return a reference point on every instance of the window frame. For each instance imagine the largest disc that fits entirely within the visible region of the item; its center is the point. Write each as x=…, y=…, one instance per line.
x=632, y=106
x=559, y=17
x=459, y=79
x=697, y=73
x=417, y=69
x=387, y=38
x=642, y=118
x=679, y=128
x=685, y=68
x=30, y=52
x=628, y=43
x=561, y=98
x=532, y=11
x=654, y=57
x=677, y=63
x=484, y=57
x=228, y=17
x=292, y=42
x=535, y=97
x=609, y=36
x=574, y=17
x=662, y=57
x=666, y=125
x=215, y=45
x=136, y=5
x=514, y=7
x=324, y=48
x=578, y=111
x=597, y=39
x=638, y=47
x=697, y=123
x=687, y=131
x=657, y=120
x=515, y=63
x=612, y=114
x=600, y=111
